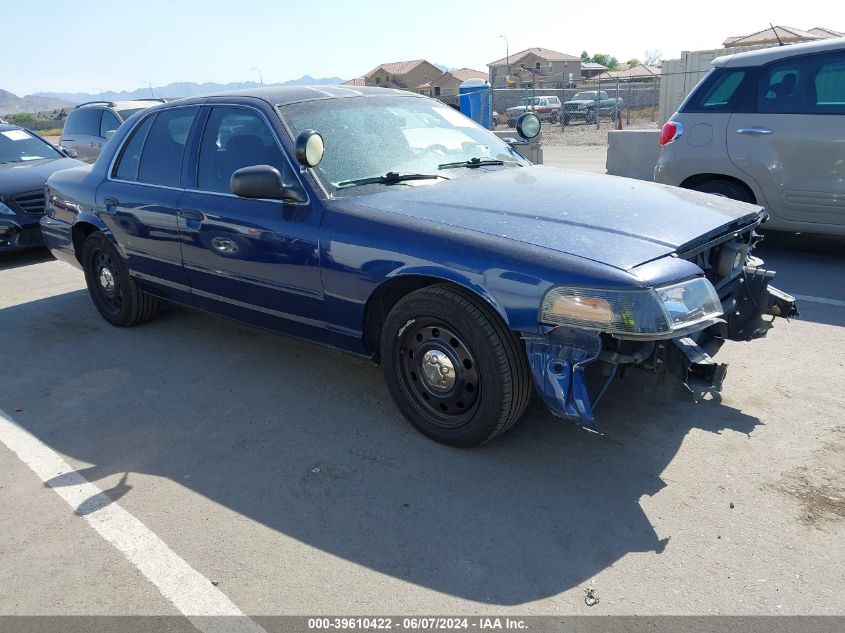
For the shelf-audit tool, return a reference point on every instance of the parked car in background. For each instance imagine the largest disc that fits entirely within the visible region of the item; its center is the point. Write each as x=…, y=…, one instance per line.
x=584, y=105
x=90, y=125
x=26, y=161
x=767, y=127
x=386, y=224
x=545, y=107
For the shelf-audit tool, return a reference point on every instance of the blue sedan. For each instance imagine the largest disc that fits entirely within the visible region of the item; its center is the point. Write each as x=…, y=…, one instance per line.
x=388, y=225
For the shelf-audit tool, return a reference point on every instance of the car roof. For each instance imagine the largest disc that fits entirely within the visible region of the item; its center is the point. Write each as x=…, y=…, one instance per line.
x=5, y=127
x=766, y=55
x=285, y=95
x=120, y=105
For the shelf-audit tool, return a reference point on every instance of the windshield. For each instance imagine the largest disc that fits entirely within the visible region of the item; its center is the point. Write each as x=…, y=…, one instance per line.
x=128, y=112
x=373, y=136
x=584, y=96
x=19, y=146
x=530, y=101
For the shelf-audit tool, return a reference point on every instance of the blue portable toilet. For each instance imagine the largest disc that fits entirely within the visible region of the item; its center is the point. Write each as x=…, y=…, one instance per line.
x=475, y=99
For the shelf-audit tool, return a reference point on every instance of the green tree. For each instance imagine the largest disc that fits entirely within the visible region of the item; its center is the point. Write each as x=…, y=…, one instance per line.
x=585, y=57
x=23, y=117
x=609, y=61
x=633, y=62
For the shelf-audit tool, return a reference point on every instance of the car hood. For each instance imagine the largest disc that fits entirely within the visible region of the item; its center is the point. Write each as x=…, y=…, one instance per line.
x=580, y=102
x=617, y=221
x=19, y=177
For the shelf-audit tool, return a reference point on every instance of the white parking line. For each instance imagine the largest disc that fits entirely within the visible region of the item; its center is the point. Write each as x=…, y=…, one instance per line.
x=188, y=590
x=825, y=300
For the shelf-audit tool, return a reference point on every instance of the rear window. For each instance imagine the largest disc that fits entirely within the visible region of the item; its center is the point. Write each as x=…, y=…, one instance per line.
x=84, y=121
x=723, y=90
x=128, y=112
x=130, y=157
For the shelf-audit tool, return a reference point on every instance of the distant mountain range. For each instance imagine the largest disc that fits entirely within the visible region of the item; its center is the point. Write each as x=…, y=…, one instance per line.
x=180, y=89
x=13, y=104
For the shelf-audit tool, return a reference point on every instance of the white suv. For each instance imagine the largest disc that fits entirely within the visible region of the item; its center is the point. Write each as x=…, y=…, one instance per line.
x=767, y=127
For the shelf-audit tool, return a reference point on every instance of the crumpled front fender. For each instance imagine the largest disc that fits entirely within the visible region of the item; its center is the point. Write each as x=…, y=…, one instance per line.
x=557, y=363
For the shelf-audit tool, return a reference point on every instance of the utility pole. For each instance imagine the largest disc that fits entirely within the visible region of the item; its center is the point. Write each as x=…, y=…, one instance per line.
x=507, y=58
x=150, y=84
x=260, y=76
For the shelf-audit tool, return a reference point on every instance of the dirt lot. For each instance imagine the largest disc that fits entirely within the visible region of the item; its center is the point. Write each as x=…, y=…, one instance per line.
x=283, y=478
x=580, y=133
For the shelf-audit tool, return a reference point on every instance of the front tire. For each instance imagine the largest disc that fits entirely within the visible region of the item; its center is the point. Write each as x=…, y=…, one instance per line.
x=114, y=293
x=453, y=368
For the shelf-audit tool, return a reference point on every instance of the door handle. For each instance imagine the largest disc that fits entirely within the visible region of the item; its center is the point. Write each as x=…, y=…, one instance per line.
x=90, y=145
x=190, y=214
x=111, y=205
x=754, y=130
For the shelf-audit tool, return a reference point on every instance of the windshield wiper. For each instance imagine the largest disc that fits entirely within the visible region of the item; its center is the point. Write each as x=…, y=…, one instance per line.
x=390, y=178
x=472, y=162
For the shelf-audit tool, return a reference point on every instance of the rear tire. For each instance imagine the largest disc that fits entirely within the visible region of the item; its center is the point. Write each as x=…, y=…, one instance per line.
x=114, y=293
x=725, y=188
x=455, y=371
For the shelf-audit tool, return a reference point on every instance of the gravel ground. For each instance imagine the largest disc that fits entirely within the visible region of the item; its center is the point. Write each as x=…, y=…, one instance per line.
x=583, y=134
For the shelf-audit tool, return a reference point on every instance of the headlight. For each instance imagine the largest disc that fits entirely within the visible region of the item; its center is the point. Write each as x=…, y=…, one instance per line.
x=660, y=311
x=4, y=210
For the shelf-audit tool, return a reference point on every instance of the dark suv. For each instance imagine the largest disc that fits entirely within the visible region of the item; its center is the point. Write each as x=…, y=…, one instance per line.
x=91, y=124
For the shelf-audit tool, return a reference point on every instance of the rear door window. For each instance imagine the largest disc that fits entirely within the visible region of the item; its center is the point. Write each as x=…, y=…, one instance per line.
x=84, y=121
x=161, y=157
x=812, y=84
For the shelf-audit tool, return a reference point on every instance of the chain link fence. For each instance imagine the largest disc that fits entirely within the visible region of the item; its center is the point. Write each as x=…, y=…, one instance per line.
x=582, y=112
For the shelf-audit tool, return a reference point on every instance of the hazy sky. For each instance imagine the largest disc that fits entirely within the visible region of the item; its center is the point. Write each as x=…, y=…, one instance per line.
x=90, y=45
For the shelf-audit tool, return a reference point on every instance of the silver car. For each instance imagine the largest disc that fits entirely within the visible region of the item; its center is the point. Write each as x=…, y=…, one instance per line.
x=768, y=127
x=91, y=124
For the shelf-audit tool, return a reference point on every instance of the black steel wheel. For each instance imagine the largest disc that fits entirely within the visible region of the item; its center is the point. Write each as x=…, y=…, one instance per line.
x=452, y=367
x=114, y=293
x=439, y=373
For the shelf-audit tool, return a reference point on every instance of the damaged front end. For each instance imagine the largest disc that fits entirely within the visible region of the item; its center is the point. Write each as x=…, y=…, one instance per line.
x=589, y=336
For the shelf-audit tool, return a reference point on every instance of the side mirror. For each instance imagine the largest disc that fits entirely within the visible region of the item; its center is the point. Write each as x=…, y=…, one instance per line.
x=263, y=181
x=309, y=148
x=67, y=151
x=528, y=125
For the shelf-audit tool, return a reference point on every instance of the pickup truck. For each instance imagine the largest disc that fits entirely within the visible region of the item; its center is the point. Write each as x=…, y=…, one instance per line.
x=584, y=105
x=545, y=107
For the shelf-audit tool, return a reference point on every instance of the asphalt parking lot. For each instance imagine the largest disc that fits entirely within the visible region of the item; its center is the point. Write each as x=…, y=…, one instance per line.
x=282, y=476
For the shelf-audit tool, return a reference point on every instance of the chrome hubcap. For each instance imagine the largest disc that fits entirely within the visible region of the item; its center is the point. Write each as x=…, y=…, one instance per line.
x=438, y=370
x=106, y=279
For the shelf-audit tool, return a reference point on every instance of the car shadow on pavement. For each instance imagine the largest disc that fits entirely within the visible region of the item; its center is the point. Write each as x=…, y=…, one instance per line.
x=307, y=442
x=9, y=261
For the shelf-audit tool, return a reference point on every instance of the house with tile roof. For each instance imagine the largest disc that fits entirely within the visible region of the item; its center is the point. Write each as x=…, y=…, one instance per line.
x=640, y=72
x=407, y=75
x=357, y=81
x=447, y=83
x=537, y=66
